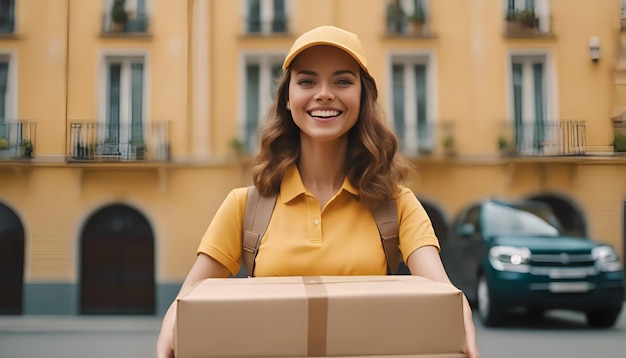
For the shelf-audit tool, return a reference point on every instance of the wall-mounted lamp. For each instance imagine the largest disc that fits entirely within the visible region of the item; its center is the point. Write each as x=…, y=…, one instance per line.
x=594, y=48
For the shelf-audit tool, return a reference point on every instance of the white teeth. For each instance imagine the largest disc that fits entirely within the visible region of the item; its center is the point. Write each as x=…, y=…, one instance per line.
x=325, y=114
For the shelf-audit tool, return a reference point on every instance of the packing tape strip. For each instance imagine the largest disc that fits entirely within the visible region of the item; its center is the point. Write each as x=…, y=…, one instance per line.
x=317, y=316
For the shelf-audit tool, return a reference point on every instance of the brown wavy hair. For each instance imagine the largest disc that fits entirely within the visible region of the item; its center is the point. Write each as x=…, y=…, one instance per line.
x=373, y=164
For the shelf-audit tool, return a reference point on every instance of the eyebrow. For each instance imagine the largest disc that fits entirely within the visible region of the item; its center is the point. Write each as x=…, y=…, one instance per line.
x=336, y=73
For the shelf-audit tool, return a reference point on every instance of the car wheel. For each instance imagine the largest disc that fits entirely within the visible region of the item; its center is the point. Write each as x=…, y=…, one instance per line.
x=490, y=315
x=602, y=318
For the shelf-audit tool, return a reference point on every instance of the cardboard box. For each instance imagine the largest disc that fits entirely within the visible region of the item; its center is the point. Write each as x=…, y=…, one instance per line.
x=328, y=316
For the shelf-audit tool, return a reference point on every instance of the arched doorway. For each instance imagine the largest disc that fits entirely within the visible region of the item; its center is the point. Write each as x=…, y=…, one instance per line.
x=11, y=261
x=117, y=263
x=439, y=225
x=569, y=216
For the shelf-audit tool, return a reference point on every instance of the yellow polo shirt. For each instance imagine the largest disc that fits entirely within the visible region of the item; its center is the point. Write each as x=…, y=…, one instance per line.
x=304, y=240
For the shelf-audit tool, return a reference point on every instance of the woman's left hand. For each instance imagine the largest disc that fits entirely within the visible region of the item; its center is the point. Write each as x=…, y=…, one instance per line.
x=426, y=262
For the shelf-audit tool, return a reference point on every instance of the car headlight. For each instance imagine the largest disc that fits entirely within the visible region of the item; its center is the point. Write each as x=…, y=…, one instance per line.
x=606, y=258
x=510, y=258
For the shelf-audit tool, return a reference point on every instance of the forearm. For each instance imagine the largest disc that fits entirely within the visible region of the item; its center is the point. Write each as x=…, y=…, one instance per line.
x=165, y=341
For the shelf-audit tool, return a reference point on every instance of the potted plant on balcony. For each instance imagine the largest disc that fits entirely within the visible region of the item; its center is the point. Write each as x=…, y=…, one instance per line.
x=4, y=144
x=619, y=143
x=4, y=148
x=449, y=146
x=417, y=20
x=513, y=23
x=26, y=149
x=119, y=16
x=503, y=145
x=238, y=147
x=529, y=21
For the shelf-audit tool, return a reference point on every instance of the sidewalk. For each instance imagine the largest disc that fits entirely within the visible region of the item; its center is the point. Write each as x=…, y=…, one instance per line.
x=78, y=336
x=82, y=324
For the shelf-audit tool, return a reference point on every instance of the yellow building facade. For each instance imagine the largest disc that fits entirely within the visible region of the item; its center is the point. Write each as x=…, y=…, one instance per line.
x=123, y=126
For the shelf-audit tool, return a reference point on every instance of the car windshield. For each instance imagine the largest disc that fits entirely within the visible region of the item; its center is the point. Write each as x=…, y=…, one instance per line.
x=519, y=220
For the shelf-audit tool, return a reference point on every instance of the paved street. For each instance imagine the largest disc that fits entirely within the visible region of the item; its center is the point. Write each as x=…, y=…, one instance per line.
x=93, y=337
x=559, y=334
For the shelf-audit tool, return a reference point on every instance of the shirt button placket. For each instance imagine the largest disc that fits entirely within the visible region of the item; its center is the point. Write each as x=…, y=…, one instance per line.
x=315, y=214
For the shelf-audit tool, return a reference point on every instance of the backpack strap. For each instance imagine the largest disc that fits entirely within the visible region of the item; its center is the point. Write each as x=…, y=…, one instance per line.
x=386, y=217
x=259, y=211
x=256, y=219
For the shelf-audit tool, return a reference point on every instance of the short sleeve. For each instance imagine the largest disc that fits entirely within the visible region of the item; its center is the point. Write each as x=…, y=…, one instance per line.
x=415, y=227
x=222, y=240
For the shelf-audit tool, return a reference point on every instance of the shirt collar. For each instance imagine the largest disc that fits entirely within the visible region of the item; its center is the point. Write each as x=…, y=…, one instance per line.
x=292, y=185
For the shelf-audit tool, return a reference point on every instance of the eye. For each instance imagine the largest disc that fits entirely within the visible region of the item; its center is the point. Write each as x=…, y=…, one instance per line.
x=344, y=82
x=305, y=82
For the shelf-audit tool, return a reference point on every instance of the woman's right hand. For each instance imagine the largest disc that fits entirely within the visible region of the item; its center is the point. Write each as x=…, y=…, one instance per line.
x=165, y=342
x=204, y=267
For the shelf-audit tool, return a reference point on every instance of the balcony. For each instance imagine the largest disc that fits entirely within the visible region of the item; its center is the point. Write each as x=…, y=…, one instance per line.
x=99, y=142
x=17, y=140
x=428, y=139
x=527, y=22
x=404, y=23
x=127, y=23
x=561, y=138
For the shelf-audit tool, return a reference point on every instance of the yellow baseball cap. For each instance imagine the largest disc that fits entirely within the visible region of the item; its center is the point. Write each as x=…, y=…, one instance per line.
x=332, y=36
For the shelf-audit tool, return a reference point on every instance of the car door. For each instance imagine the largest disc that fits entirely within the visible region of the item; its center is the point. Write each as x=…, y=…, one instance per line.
x=460, y=253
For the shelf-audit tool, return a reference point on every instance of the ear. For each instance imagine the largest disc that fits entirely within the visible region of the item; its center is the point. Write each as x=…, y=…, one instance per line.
x=288, y=106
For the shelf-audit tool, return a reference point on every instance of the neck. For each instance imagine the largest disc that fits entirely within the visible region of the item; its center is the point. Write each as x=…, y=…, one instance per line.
x=322, y=166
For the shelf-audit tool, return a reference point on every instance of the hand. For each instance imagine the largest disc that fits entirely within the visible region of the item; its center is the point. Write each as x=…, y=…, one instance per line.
x=471, y=348
x=165, y=342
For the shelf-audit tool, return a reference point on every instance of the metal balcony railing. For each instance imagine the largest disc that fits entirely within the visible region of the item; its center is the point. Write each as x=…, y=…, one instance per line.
x=17, y=140
x=426, y=139
x=125, y=25
x=566, y=137
x=98, y=142
x=527, y=21
x=277, y=25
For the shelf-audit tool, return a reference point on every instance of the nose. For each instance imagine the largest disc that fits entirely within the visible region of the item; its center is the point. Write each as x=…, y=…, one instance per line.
x=325, y=93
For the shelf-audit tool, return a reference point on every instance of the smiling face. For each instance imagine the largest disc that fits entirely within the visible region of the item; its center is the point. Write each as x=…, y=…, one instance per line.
x=324, y=93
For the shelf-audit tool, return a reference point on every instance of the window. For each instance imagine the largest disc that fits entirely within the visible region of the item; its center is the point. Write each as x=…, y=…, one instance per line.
x=7, y=16
x=4, y=77
x=124, y=106
x=262, y=74
x=266, y=16
x=411, y=110
x=530, y=103
x=7, y=102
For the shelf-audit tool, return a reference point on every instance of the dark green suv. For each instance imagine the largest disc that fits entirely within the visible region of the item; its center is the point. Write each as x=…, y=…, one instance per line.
x=511, y=255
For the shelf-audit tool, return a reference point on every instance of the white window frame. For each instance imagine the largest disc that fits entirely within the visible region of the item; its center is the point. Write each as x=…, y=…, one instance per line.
x=410, y=59
x=11, y=109
x=265, y=60
x=528, y=57
x=126, y=58
x=267, y=15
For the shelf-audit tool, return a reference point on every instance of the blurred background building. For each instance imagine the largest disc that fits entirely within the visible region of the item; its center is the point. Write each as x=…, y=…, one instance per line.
x=124, y=124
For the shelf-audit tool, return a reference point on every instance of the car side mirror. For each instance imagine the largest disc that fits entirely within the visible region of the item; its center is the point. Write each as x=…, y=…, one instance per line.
x=466, y=230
